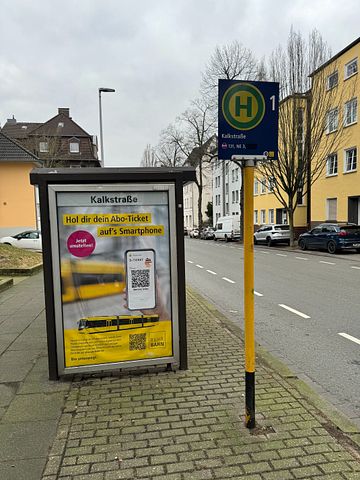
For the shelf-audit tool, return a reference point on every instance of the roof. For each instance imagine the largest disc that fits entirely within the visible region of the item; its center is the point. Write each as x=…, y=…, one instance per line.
x=52, y=128
x=19, y=129
x=12, y=151
x=339, y=54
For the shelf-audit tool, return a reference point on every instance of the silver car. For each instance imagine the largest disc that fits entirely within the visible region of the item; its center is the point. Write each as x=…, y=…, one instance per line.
x=271, y=234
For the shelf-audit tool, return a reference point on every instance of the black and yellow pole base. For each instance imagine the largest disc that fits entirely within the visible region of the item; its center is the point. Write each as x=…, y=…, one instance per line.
x=249, y=328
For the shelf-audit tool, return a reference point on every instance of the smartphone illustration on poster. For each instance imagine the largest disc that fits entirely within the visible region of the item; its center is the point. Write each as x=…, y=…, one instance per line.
x=140, y=279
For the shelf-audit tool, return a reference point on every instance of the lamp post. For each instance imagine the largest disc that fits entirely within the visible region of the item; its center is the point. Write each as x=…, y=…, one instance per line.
x=101, y=128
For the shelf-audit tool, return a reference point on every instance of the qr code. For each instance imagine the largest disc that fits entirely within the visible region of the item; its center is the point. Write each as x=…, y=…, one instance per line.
x=137, y=341
x=140, y=278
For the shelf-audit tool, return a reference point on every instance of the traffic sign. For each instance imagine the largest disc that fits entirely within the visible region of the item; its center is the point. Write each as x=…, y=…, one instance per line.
x=248, y=119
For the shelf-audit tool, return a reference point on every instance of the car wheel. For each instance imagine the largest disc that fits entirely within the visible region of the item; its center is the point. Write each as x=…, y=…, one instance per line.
x=358, y=250
x=215, y=239
x=331, y=246
x=302, y=244
x=255, y=240
x=268, y=242
x=6, y=243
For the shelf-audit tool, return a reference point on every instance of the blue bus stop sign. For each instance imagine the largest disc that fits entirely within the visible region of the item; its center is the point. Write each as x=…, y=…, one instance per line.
x=248, y=116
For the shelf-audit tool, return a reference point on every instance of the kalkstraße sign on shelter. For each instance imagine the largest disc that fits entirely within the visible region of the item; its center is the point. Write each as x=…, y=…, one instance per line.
x=248, y=119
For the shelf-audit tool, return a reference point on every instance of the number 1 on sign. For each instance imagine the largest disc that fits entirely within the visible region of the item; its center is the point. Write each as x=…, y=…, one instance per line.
x=272, y=98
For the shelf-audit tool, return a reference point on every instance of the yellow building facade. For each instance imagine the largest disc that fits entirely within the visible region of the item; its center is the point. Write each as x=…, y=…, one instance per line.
x=335, y=196
x=335, y=191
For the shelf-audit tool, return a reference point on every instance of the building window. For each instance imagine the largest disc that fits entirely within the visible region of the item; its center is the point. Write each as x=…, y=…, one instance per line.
x=300, y=197
x=233, y=196
x=237, y=196
x=226, y=188
x=237, y=174
x=271, y=184
x=233, y=176
x=263, y=185
x=61, y=124
x=271, y=215
x=262, y=216
x=350, y=113
x=43, y=147
x=227, y=209
x=74, y=147
x=332, y=80
x=351, y=68
x=350, y=160
x=332, y=164
x=256, y=217
x=332, y=120
x=331, y=209
x=256, y=186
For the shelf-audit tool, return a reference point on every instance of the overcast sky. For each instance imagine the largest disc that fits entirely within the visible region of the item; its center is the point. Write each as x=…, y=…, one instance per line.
x=58, y=53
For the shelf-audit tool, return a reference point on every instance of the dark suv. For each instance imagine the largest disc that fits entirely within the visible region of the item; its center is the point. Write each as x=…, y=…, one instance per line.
x=331, y=237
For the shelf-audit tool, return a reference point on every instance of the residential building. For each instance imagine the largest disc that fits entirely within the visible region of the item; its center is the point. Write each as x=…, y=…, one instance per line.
x=18, y=205
x=335, y=196
x=226, y=188
x=59, y=142
x=204, y=171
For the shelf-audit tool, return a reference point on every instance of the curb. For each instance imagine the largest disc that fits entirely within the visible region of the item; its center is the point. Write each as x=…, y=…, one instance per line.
x=6, y=283
x=14, y=272
x=343, y=426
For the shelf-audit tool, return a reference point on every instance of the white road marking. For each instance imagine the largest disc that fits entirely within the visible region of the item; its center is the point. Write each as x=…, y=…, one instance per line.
x=266, y=253
x=233, y=311
x=327, y=263
x=232, y=247
x=258, y=294
x=281, y=255
x=303, y=315
x=212, y=273
x=357, y=268
x=302, y=258
x=200, y=266
x=189, y=261
x=228, y=280
x=350, y=337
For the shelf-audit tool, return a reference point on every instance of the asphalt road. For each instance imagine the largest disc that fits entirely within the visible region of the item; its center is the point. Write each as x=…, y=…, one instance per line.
x=307, y=310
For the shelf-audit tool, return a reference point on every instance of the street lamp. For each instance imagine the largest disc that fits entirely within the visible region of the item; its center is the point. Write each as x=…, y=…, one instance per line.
x=101, y=129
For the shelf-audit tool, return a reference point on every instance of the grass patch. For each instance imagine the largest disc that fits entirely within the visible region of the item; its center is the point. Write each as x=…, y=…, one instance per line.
x=13, y=257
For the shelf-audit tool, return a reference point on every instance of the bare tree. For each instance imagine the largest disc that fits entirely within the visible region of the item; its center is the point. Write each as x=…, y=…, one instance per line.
x=168, y=151
x=194, y=134
x=230, y=62
x=149, y=158
x=306, y=109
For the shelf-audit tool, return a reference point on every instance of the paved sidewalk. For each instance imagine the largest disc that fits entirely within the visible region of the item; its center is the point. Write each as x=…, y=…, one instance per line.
x=154, y=424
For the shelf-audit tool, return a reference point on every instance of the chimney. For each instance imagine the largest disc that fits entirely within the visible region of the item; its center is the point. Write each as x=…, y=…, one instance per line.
x=11, y=121
x=64, y=111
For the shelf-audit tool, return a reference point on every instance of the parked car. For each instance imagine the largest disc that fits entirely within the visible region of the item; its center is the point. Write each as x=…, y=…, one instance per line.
x=31, y=239
x=185, y=231
x=271, y=234
x=227, y=228
x=194, y=233
x=331, y=237
x=207, y=233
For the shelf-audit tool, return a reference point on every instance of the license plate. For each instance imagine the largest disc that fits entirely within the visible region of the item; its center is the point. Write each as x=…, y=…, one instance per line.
x=356, y=245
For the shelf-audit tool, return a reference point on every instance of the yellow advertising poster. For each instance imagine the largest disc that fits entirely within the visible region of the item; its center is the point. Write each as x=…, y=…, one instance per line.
x=115, y=276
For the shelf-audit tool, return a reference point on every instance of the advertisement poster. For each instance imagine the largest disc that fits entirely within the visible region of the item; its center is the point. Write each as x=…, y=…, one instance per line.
x=114, y=257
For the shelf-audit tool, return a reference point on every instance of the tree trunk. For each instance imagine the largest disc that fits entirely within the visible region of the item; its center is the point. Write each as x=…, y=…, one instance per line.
x=291, y=224
x=200, y=219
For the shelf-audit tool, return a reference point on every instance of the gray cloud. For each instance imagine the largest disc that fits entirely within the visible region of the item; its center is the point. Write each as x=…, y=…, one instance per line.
x=56, y=54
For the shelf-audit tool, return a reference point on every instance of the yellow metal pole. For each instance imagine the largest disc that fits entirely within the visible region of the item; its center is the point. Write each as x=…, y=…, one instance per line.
x=249, y=294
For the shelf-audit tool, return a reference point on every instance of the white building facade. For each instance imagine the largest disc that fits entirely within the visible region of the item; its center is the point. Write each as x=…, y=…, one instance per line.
x=226, y=189
x=191, y=197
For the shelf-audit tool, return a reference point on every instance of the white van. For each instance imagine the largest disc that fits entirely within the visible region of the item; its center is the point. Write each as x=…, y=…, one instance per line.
x=227, y=228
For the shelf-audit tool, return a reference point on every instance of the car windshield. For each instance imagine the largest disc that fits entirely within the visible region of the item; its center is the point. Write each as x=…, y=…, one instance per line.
x=281, y=227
